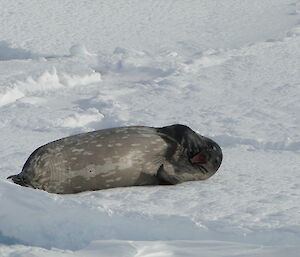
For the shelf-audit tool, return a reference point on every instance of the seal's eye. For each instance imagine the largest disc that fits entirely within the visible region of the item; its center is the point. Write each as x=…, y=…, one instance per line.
x=199, y=158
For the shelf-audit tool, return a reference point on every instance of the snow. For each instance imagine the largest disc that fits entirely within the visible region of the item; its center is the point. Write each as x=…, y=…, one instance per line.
x=228, y=69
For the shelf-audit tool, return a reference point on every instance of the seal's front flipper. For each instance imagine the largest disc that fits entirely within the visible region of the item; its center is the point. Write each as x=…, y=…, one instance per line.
x=165, y=178
x=146, y=179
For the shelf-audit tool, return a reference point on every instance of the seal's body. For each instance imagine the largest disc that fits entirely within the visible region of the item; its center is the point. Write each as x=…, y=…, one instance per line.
x=118, y=157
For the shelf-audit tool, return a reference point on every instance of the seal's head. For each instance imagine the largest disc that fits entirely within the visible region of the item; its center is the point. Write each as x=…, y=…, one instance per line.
x=194, y=157
x=206, y=155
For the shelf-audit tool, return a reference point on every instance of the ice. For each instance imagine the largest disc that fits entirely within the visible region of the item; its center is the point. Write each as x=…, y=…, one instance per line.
x=8, y=53
x=227, y=69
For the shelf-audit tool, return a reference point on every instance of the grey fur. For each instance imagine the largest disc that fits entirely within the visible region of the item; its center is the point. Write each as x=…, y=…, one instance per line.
x=118, y=157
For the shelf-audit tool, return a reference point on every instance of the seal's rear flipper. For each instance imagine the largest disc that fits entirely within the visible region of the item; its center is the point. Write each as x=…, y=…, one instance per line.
x=18, y=180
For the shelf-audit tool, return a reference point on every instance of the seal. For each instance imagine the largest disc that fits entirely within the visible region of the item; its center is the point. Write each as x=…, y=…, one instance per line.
x=120, y=157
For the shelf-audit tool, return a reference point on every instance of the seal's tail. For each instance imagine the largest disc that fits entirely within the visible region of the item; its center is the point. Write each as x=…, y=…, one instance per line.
x=17, y=179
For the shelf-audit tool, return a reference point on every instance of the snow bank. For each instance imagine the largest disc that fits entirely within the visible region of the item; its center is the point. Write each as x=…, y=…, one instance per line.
x=8, y=53
x=48, y=81
x=68, y=222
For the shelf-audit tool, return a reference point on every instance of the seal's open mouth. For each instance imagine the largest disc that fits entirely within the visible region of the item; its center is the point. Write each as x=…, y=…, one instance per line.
x=199, y=158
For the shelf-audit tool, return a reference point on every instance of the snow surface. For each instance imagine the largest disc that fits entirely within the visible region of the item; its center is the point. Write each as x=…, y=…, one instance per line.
x=228, y=69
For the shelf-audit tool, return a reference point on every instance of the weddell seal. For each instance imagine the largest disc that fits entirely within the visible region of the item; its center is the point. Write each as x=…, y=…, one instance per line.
x=119, y=157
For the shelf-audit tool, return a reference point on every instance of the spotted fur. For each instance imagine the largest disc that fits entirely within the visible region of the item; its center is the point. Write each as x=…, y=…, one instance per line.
x=119, y=157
